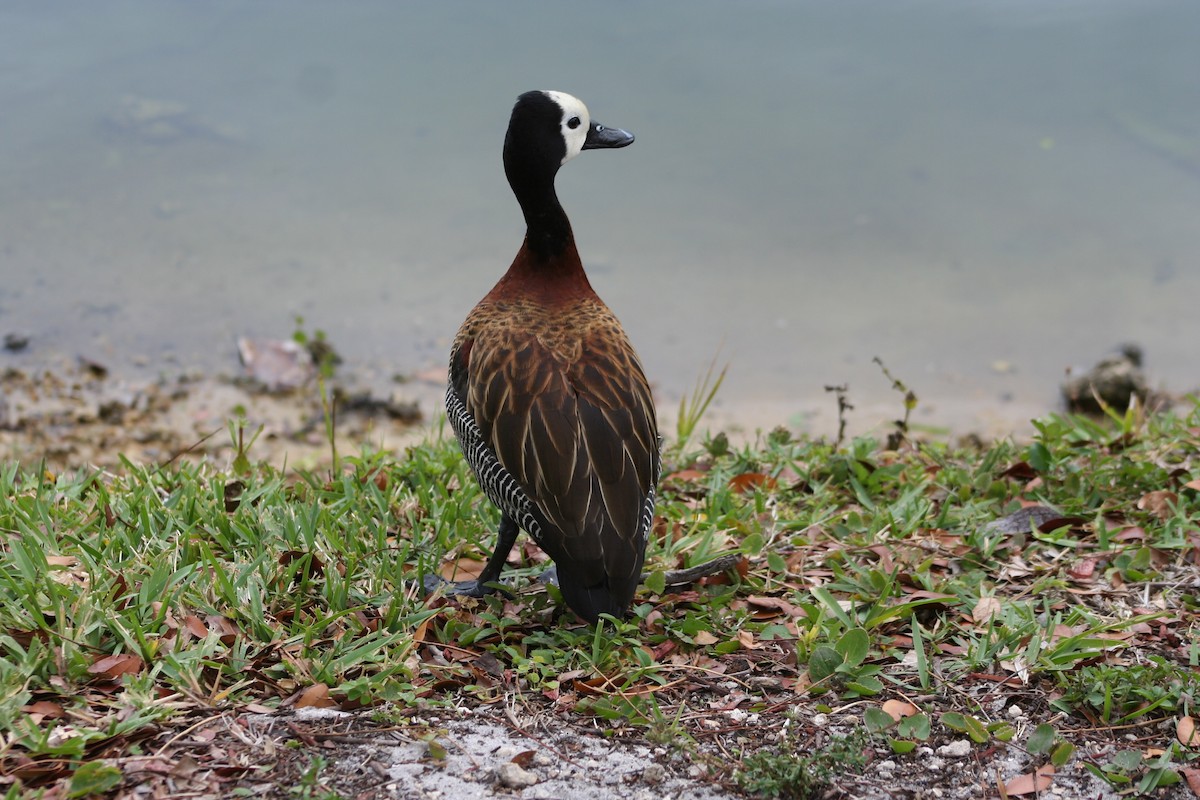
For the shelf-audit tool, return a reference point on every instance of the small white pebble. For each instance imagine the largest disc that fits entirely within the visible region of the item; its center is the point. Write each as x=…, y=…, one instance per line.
x=737, y=715
x=512, y=776
x=820, y=720
x=1015, y=712
x=936, y=792
x=934, y=764
x=695, y=771
x=542, y=759
x=886, y=767
x=710, y=723
x=956, y=749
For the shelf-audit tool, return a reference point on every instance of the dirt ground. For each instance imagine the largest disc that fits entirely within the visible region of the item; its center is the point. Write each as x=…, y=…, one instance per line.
x=462, y=753
x=78, y=414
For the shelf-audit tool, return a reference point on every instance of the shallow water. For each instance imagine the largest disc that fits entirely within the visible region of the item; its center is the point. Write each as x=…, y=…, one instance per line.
x=981, y=194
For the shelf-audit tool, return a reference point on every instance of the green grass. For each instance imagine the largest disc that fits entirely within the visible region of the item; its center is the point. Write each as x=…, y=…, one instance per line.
x=130, y=601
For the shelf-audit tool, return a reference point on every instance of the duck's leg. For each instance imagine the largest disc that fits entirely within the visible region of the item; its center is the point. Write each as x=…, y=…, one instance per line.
x=506, y=537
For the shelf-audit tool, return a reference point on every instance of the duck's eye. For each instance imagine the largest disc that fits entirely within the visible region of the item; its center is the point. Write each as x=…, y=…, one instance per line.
x=573, y=123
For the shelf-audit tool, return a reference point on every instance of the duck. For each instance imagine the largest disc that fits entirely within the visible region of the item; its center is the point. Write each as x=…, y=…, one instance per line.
x=546, y=394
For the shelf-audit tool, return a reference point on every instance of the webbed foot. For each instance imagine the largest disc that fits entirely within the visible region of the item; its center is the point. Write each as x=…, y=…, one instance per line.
x=436, y=583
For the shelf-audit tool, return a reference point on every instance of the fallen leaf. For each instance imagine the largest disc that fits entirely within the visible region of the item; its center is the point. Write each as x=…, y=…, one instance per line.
x=751, y=480
x=195, y=626
x=1160, y=503
x=464, y=569
x=1031, y=782
x=421, y=631
x=315, y=696
x=1186, y=733
x=113, y=667
x=1083, y=570
x=705, y=638
x=1021, y=471
x=44, y=709
x=985, y=609
x=1131, y=534
x=185, y=767
x=1192, y=776
x=899, y=709
x=747, y=640
x=772, y=604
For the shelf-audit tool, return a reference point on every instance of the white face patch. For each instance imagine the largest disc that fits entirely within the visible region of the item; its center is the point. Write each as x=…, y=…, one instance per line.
x=575, y=122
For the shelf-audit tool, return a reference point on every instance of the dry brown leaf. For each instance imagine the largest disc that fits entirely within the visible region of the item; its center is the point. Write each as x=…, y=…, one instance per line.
x=705, y=638
x=985, y=609
x=1130, y=534
x=1160, y=503
x=899, y=709
x=768, y=604
x=315, y=696
x=44, y=709
x=1021, y=471
x=185, y=767
x=113, y=667
x=224, y=626
x=1192, y=776
x=421, y=630
x=195, y=626
x=748, y=481
x=464, y=569
x=747, y=640
x=1031, y=782
x=687, y=476
x=1186, y=733
x=1083, y=570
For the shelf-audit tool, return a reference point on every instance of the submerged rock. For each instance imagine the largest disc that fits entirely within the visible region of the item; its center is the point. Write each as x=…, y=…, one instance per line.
x=279, y=365
x=152, y=121
x=16, y=341
x=1113, y=382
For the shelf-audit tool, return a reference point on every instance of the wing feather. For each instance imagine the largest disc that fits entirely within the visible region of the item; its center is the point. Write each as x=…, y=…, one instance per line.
x=578, y=433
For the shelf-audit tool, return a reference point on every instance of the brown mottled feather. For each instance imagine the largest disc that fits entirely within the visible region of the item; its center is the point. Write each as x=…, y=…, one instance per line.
x=559, y=393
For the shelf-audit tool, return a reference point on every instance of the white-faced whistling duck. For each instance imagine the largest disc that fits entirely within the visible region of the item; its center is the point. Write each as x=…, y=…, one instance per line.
x=547, y=395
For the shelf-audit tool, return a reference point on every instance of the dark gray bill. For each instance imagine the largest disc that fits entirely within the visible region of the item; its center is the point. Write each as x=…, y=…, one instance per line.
x=600, y=136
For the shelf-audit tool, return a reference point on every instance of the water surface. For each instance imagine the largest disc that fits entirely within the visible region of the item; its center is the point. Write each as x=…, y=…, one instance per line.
x=981, y=194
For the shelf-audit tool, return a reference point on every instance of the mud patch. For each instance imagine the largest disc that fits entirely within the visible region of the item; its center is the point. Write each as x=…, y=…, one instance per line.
x=81, y=415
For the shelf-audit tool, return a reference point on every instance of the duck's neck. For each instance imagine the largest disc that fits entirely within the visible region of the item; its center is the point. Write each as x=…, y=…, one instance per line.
x=548, y=254
x=548, y=236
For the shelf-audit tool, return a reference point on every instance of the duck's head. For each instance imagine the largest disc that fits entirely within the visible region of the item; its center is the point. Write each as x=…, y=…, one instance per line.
x=547, y=129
